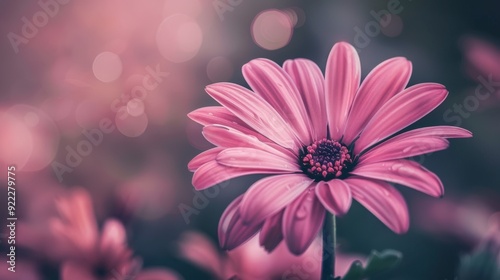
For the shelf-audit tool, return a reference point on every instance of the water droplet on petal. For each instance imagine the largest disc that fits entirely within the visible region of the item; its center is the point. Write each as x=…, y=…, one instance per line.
x=402, y=170
x=302, y=212
x=386, y=192
x=396, y=167
x=407, y=149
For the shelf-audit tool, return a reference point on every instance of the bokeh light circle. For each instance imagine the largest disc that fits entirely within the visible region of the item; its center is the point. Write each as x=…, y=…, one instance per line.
x=272, y=29
x=30, y=139
x=179, y=38
x=17, y=144
x=107, y=67
x=131, y=126
x=31, y=119
x=219, y=69
x=297, y=16
x=393, y=28
x=135, y=107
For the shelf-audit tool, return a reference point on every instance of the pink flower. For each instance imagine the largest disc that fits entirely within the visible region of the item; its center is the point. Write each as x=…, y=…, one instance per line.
x=483, y=58
x=468, y=220
x=483, y=65
x=91, y=255
x=323, y=140
x=242, y=262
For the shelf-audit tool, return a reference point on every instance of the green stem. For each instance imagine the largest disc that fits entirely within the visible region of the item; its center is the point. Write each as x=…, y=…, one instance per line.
x=328, y=262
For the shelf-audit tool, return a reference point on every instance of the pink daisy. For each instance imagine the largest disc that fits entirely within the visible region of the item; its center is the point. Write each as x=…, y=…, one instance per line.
x=324, y=141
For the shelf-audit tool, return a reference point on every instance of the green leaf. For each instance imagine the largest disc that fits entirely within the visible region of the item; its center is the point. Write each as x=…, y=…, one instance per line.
x=382, y=261
x=378, y=262
x=355, y=272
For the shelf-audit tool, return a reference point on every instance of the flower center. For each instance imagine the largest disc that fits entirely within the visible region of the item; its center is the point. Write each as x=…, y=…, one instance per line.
x=325, y=159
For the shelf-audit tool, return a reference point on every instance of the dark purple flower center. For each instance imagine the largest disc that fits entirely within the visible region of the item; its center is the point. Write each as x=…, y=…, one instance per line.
x=325, y=159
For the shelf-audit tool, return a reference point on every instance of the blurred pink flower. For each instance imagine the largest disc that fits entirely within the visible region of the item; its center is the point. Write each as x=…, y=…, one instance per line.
x=469, y=220
x=322, y=136
x=484, y=261
x=92, y=254
x=241, y=262
x=483, y=57
x=483, y=65
x=39, y=191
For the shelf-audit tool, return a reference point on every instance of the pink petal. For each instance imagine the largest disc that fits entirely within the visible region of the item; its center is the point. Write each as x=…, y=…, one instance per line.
x=401, y=111
x=383, y=82
x=269, y=195
x=254, y=111
x=424, y=138
x=383, y=200
x=222, y=116
x=310, y=83
x=272, y=83
x=404, y=172
x=113, y=237
x=403, y=148
x=199, y=249
x=77, y=224
x=204, y=157
x=84, y=218
x=434, y=131
x=302, y=221
x=232, y=231
x=212, y=173
x=227, y=137
x=342, y=77
x=271, y=233
x=335, y=196
x=255, y=159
